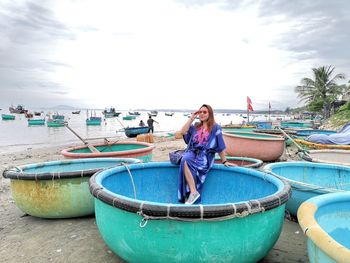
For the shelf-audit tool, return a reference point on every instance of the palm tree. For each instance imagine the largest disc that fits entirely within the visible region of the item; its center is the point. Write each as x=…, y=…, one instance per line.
x=320, y=92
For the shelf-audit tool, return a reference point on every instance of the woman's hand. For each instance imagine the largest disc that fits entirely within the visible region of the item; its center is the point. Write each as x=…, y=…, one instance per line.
x=229, y=164
x=194, y=115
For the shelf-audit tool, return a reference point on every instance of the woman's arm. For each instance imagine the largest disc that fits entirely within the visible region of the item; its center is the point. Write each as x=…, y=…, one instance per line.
x=188, y=123
x=224, y=160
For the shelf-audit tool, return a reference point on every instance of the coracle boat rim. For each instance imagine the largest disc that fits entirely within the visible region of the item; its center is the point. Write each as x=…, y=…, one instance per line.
x=298, y=185
x=255, y=162
x=269, y=137
x=20, y=174
x=156, y=210
x=67, y=152
x=311, y=228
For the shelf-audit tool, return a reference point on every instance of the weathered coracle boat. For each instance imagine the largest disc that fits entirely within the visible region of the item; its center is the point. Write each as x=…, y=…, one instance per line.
x=7, y=117
x=265, y=147
x=243, y=205
x=57, y=189
x=295, y=124
x=312, y=145
x=121, y=149
x=341, y=157
x=134, y=131
x=310, y=179
x=326, y=222
x=242, y=161
x=308, y=132
x=36, y=122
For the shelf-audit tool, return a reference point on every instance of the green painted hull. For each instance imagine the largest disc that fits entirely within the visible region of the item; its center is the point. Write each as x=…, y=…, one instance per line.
x=61, y=198
x=246, y=239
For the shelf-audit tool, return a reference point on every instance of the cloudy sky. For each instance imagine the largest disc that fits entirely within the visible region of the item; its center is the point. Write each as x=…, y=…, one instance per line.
x=167, y=54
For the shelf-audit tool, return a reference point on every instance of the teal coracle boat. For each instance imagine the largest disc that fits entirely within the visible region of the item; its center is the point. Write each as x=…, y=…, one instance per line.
x=93, y=121
x=242, y=161
x=119, y=149
x=57, y=189
x=310, y=179
x=36, y=122
x=326, y=222
x=239, y=218
x=55, y=123
x=6, y=117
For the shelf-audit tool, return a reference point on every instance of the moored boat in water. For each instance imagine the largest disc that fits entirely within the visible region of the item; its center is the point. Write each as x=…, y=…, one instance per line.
x=166, y=231
x=57, y=189
x=310, y=179
x=19, y=109
x=265, y=147
x=6, y=117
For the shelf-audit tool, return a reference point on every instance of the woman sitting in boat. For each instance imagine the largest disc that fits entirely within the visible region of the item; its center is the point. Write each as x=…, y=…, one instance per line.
x=204, y=139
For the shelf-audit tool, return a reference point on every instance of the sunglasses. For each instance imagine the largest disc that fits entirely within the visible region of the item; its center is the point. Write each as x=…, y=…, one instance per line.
x=202, y=111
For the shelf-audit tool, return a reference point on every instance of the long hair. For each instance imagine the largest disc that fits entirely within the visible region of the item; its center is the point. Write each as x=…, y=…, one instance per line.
x=210, y=121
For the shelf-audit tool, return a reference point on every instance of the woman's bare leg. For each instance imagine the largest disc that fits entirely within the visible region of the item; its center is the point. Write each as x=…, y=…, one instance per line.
x=189, y=178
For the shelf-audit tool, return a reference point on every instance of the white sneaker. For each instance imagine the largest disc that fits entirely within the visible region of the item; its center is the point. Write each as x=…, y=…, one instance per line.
x=192, y=198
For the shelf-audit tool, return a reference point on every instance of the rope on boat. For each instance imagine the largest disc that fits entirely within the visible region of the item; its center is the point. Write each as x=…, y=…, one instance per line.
x=235, y=214
x=131, y=178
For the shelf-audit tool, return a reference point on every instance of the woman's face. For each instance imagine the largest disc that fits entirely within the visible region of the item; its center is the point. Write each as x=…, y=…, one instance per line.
x=203, y=114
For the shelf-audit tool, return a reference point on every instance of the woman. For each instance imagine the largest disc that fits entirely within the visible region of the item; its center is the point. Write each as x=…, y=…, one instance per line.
x=204, y=139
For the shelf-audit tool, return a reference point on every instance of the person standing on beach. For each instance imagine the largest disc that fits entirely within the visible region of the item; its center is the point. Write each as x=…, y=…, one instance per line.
x=150, y=122
x=204, y=139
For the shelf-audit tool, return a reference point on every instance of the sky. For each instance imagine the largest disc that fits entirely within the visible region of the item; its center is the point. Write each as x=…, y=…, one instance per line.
x=163, y=54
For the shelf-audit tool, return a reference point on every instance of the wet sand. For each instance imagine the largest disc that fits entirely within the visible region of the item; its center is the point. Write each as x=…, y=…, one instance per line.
x=25, y=238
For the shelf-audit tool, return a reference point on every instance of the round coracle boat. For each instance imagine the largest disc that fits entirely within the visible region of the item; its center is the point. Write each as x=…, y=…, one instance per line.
x=239, y=218
x=120, y=149
x=242, y=161
x=57, y=189
x=265, y=147
x=310, y=179
x=341, y=157
x=326, y=222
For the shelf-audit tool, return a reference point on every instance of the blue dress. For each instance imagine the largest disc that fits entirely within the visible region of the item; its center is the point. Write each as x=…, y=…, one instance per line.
x=199, y=156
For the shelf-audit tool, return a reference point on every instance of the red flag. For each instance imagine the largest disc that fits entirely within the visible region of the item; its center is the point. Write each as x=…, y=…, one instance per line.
x=250, y=107
x=249, y=101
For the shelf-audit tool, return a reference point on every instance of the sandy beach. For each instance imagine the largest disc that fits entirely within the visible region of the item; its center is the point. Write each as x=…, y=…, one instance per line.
x=25, y=238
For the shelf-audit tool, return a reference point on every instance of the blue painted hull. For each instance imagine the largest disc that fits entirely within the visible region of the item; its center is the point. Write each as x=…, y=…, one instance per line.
x=310, y=179
x=306, y=132
x=134, y=131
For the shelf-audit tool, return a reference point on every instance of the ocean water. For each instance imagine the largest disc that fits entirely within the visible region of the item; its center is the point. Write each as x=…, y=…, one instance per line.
x=16, y=135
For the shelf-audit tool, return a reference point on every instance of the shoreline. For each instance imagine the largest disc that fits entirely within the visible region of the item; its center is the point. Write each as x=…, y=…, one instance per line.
x=25, y=238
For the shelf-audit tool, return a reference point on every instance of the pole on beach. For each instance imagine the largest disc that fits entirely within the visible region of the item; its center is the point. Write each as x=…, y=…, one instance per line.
x=296, y=144
x=120, y=123
x=91, y=147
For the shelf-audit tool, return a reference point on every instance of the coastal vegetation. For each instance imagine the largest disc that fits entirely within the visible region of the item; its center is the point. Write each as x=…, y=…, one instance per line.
x=322, y=91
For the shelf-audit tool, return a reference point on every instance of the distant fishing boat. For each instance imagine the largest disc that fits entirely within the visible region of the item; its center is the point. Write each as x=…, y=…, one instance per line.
x=124, y=149
x=55, y=123
x=129, y=117
x=265, y=147
x=310, y=179
x=325, y=220
x=169, y=114
x=58, y=116
x=239, y=218
x=93, y=121
x=341, y=157
x=76, y=112
x=57, y=189
x=32, y=122
x=6, y=117
x=19, y=109
x=153, y=113
x=134, y=131
x=134, y=113
x=110, y=113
